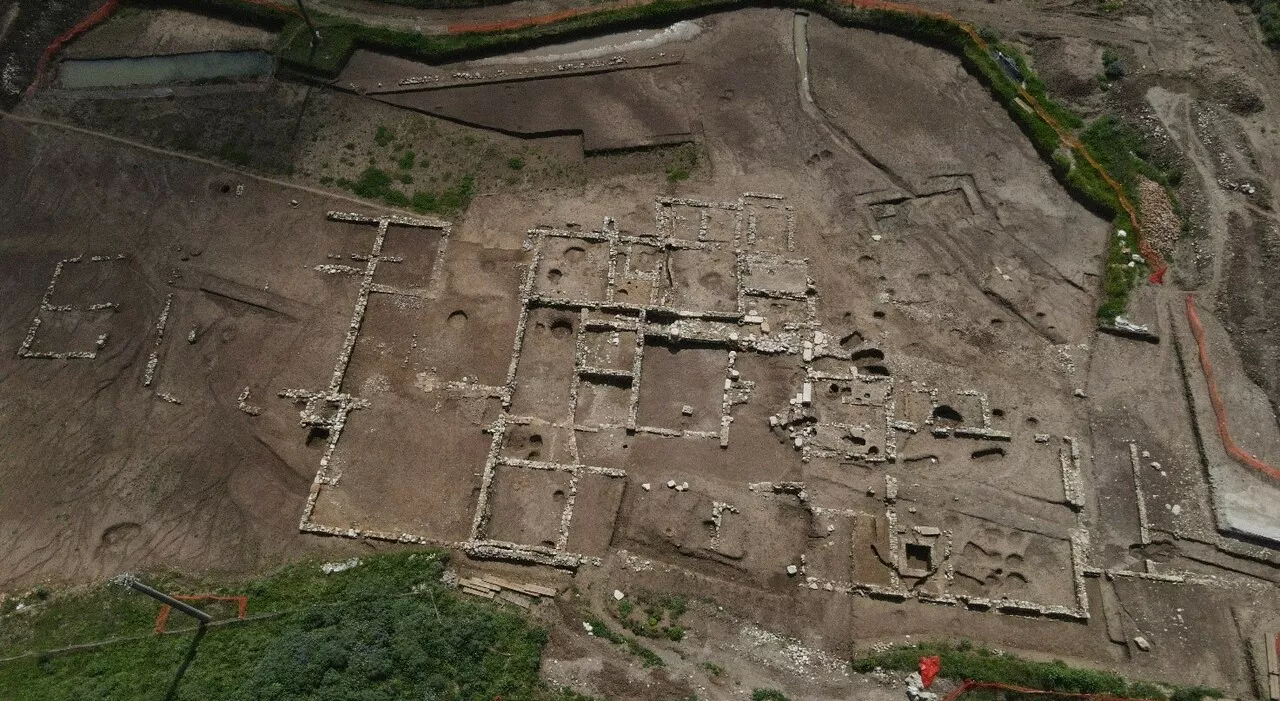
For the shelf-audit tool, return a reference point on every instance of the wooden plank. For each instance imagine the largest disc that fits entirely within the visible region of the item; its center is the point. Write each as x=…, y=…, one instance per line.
x=516, y=599
x=1274, y=686
x=541, y=590
x=1270, y=641
x=530, y=589
x=476, y=583
x=482, y=593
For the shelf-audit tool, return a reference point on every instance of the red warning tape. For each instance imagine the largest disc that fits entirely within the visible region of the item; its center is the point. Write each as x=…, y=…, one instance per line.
x=1220, y=409
x=96, y=18
x=56, y=45
x=242, y=607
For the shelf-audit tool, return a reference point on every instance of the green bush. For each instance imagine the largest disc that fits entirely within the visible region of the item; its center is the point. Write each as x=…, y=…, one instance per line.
x=1120, y=150
x=768, y=695
x=983, y=665
x=382, y=631
x=451, y=200
x=1112, y=66
x=1268, y=12
x=374, y=183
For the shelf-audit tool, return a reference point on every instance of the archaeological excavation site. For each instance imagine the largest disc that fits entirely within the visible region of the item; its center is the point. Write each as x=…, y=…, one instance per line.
x=640, y=350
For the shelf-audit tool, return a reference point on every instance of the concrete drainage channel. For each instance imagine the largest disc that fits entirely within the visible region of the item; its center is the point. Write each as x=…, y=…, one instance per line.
x=160, y=70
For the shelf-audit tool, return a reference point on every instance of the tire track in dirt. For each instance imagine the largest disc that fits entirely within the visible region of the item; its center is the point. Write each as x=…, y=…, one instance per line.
x=800, y=43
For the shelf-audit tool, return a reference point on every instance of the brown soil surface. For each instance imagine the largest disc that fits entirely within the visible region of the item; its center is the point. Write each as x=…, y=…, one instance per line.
x=646, y=369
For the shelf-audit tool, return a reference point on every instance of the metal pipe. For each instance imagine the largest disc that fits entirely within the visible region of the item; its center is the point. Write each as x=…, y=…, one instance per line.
x=163, y=598
x=315, y=33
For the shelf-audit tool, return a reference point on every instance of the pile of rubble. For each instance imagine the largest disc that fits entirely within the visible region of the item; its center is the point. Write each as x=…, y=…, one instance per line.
x=1160, y=225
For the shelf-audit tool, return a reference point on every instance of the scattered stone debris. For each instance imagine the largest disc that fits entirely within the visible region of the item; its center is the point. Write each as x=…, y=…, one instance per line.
x=343, y=566
x=916, y=690
x=243, y=405
x=1142, y=643
x=1161, y=226
x=1125, y=325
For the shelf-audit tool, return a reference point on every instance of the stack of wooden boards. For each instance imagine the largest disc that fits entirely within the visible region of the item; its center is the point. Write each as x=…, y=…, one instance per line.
x=491, y=587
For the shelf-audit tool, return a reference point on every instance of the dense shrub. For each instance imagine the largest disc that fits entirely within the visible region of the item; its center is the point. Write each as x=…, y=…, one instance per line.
x=964, y=662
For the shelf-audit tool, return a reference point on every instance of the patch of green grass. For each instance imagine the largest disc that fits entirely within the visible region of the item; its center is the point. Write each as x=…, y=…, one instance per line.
x=656, y=618
x=383, y=136
x=768, y=695
x=648, y=657
x=964, y=661
x=384, y=630
x=374, y=183
x=1268, y=13
x=406, y=161
x=1112, y=66
x=1120, y=150
x=681, y=164
x=515, y=163
x=713, y=669
x=450, y=200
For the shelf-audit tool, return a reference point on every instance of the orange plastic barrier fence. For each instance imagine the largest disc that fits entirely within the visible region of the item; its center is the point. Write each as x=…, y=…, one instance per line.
x=242, y=607
x=970, y=685
x=96, y=18
x=537, y=20
x=1220, y=409
x=56, y=45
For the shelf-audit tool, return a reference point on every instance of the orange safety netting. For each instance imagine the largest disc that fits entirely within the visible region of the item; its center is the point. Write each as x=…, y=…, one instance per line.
x=1220, y=409
x=96, y=18
x=929, y=668
x=56, y=45
x=537, y=20
x=242, y=607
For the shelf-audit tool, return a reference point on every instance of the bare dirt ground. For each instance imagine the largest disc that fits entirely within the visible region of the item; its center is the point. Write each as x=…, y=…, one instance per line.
x=837, y=382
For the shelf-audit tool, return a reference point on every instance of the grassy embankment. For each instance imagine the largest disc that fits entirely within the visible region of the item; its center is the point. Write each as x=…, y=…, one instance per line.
x=964, y=661
x=382, y=631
